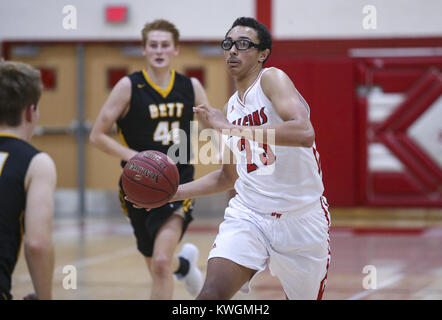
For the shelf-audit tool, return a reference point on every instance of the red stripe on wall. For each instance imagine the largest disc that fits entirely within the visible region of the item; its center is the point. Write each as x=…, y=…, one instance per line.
x=263, y=10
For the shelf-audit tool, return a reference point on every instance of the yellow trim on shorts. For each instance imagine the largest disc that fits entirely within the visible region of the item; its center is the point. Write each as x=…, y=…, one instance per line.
x=186, y=204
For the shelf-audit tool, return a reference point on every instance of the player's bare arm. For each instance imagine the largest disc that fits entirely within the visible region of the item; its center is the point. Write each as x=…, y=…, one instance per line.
x=116, y=106
x=200, y=93
x=296, y=130
x=40, y=184
x=216, y=181
x=200, y=99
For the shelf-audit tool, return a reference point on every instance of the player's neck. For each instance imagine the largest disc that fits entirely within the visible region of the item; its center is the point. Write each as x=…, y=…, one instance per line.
x=159, y=76
x=243, y=82
x=19, y=132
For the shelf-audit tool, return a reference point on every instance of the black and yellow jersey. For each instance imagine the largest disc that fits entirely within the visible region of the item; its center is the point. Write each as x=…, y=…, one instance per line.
x=15, y=156
x=156, y=114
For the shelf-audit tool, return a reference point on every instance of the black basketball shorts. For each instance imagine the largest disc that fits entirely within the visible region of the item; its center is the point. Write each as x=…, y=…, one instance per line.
x=146, y=224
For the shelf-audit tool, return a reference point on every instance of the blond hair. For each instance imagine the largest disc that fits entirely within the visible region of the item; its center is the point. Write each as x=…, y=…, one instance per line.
x=162, y=25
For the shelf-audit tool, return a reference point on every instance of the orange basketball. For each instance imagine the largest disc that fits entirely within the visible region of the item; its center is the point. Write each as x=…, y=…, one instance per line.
x=150, y=179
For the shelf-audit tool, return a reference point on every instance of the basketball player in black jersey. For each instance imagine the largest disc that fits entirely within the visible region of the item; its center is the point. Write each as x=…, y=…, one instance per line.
x=27, y=183
x=148, y=107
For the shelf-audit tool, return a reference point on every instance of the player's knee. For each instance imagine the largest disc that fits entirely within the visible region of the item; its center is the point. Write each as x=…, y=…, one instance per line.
x=161, y=266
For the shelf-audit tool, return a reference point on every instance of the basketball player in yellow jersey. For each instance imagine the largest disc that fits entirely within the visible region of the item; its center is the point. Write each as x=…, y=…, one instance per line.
x=147, y=107
x=27, y=183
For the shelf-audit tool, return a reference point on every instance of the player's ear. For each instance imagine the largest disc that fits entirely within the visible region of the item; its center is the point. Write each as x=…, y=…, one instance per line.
x=28, y=112
x=144, y=46
x=177, y=49
x=263, y=55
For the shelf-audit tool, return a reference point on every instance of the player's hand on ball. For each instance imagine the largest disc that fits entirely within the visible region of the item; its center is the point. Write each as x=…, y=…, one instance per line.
x=134, y=205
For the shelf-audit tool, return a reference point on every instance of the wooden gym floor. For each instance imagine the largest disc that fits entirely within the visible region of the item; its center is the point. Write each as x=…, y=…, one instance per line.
x=404, y=246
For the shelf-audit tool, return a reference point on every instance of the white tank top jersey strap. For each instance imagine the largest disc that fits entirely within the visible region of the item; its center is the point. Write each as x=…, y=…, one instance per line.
x=272, y=178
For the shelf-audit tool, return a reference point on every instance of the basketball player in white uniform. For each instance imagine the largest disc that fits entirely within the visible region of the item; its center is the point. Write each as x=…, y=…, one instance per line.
x=278, y=218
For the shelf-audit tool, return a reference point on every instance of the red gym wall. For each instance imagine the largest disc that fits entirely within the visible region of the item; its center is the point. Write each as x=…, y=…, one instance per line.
x=328, y=77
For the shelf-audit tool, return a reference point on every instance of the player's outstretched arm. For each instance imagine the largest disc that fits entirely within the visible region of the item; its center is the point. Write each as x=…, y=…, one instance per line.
x=39, y=252
x=116, y=105
x=216, y=181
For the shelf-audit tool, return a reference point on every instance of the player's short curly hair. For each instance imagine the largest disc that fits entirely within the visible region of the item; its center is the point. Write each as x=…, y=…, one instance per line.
x=20, y=87
x=264, y=36
x=162, y=25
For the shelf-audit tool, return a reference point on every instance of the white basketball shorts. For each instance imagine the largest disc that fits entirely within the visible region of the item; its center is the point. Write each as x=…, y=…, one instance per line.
x=294, y=245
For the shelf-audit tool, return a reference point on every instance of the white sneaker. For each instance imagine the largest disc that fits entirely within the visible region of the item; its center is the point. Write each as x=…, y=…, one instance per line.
x=193, y=280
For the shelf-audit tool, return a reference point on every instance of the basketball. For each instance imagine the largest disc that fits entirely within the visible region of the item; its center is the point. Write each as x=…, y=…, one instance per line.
x=150, y=179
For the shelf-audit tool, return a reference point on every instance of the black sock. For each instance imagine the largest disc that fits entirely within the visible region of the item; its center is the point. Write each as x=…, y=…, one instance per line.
x=184, y=266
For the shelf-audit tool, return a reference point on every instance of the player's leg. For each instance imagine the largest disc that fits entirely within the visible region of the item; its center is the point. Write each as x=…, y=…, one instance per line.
x=224, y=278
x=163, y=263
x=237, y=255
x=300, y=259
x=302, y=276
x=145, y=226
x=148, y=226
x=188, y=270
x=183, y=266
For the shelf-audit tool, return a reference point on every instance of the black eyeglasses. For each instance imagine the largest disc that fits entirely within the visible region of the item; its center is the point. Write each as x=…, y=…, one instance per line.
x=241, y=44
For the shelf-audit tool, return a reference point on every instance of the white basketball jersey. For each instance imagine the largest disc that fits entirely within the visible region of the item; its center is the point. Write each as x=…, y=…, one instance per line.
x=271, y=178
